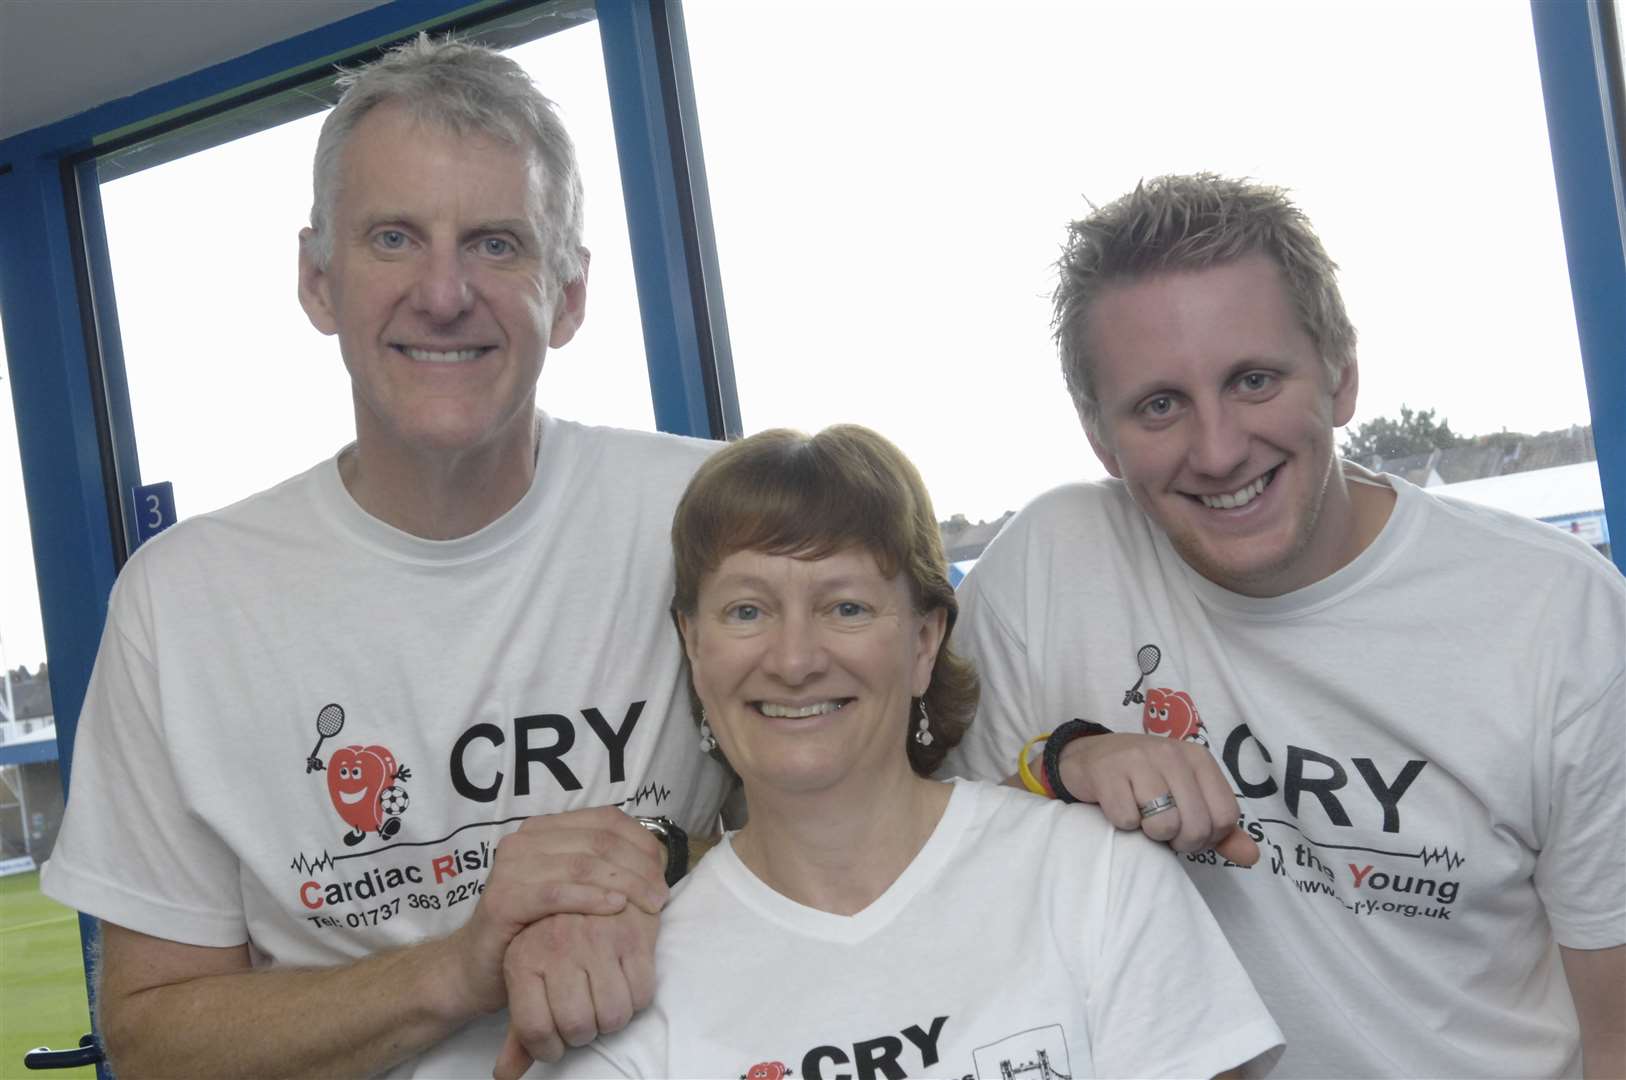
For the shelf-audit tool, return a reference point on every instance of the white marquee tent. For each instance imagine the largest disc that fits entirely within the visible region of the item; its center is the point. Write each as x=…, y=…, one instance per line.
x=1569, y=497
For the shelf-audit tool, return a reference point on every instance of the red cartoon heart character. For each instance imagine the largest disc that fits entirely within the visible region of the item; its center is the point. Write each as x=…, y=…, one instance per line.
x=766, y=1070
x=1172, y=713
x=361, y=781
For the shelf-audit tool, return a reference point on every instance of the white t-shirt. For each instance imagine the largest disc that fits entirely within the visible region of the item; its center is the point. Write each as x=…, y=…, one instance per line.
x=527, y=669
x=1429, y=746
x=1026, y=938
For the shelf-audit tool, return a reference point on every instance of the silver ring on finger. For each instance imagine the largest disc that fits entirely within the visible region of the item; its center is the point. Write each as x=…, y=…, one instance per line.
x=1157, y=806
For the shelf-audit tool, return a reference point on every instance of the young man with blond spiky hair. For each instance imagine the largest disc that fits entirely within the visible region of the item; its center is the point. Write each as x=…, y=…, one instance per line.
x=1420, y=705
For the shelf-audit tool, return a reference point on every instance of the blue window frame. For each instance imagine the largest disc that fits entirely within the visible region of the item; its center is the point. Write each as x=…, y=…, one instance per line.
x=1578, y=47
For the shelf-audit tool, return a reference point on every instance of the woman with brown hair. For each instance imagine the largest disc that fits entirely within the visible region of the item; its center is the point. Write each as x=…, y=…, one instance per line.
x=868, y=920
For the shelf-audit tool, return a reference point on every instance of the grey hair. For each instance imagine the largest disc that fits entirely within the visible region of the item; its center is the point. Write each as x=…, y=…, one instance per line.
x=467, y=89
x=1192, y=222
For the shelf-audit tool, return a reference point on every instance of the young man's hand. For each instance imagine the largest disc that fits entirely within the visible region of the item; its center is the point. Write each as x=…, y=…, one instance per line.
x=1121, y=773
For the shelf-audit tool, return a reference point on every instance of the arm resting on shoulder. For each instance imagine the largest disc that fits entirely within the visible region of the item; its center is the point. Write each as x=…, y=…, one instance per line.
x=1597, y=979
x=1121, y=771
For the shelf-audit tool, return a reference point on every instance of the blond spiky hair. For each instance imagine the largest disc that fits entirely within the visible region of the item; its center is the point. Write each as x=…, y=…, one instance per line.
x=1192, y=222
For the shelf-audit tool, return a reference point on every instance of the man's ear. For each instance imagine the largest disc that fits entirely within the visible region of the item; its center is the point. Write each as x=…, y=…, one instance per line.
x=1103, y=452
x=572, y=309
x=1343, y=395
x=313, y=286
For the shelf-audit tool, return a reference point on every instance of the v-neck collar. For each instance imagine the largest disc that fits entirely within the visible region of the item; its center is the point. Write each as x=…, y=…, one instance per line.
x=851, y=929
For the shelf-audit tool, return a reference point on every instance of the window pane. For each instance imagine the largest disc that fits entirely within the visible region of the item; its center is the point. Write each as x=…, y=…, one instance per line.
x=42, y=980
x=230, y=387
x=22, y=640
x=890, y=184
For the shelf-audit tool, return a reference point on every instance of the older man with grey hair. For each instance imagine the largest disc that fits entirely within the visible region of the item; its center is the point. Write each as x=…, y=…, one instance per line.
x=359, y=754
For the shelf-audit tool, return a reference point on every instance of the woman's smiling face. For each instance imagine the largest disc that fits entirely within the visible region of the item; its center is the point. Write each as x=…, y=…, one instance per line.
x=807, y=667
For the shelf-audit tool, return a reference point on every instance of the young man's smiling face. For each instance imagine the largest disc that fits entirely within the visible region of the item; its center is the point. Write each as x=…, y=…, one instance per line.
x=1218, y=414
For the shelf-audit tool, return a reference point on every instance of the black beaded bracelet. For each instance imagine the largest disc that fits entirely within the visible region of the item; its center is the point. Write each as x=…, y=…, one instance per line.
x=1053, y=746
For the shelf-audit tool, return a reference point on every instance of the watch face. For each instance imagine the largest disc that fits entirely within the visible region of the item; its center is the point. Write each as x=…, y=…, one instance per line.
x=676, y=842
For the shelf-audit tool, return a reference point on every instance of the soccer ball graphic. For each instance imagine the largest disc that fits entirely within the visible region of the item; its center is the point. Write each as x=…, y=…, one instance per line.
x=393, y=801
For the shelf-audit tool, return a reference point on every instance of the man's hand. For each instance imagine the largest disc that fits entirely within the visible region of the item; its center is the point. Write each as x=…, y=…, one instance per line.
x=571, y=978
x=170, y=1009
x=593, y=862
x=1121, y=772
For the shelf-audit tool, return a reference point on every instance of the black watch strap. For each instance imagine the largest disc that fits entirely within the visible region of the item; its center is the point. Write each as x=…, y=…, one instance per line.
x=1053, y=746
x=676, y=842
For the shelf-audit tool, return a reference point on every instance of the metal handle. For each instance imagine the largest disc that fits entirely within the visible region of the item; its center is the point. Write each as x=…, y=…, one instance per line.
x=43, y=1057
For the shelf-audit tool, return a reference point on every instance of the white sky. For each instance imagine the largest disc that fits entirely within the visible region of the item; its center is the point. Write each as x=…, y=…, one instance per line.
x=890, y=183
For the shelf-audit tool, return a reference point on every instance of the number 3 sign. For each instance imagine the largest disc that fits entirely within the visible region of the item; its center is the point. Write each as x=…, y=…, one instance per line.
x=155, y=509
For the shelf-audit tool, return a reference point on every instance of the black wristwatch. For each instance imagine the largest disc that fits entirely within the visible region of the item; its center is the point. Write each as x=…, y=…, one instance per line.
x=676, y=842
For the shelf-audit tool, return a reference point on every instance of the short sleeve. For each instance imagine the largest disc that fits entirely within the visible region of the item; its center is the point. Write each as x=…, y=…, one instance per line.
x=983, y=636
x=129, y=851
x=1166, y=995
x=1580, y=874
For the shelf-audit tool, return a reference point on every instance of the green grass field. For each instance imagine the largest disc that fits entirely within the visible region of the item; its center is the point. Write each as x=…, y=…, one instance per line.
x=42, y=980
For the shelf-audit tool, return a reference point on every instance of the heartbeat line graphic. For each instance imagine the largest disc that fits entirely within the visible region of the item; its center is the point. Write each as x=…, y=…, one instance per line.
x=1432, y=855
x=658, y=792
x=326, y=861
x=1429, y=855
x=310, y=866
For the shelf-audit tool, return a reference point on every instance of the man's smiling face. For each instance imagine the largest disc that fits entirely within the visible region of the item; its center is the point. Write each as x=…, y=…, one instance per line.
x=1217, y=413
x=437, y=287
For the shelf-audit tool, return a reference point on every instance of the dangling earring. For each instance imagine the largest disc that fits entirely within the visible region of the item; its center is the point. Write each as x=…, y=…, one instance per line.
x=923, y=734
x=707, y=742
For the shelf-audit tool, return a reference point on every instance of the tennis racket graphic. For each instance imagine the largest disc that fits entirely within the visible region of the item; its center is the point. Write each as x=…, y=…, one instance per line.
x=329, y=722
x=1148, y=658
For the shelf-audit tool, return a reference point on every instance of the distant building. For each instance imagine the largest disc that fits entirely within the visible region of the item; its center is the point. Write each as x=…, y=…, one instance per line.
x=1491, y=455
x=1552, y=477
x=963, y=541
x=28, y=697
x=30, y=779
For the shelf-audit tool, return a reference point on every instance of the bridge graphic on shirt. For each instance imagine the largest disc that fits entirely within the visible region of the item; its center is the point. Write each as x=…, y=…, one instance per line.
x=1035, y=1054
x=1040, y=1065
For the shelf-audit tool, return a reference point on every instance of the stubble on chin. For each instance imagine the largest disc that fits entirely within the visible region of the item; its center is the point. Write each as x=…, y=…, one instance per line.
x=1261, y=574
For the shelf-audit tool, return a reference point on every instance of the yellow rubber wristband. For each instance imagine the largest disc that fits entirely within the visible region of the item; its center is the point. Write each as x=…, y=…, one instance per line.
x=1029, y=781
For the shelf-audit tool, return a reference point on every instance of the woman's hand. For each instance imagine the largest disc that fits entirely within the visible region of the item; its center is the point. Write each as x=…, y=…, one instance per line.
x=572, y=978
